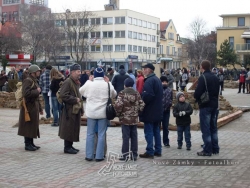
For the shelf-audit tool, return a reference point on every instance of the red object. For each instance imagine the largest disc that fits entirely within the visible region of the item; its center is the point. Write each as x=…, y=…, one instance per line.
x=242, y=78
x=140, y=83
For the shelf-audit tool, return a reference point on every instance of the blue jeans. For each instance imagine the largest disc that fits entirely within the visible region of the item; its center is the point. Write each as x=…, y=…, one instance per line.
x=56, y=106
x=129, y=132
x=208, y=124
x=165, y=123
x=47, y=106
x=186, y=131
x=152, y=134
x=90, y=141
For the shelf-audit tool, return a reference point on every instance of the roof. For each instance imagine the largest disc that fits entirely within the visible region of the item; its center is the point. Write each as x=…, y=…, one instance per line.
x=232, y=15
x=163, y=25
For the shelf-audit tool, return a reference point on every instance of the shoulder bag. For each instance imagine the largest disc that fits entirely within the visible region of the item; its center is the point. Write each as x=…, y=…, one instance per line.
x=205, y=96
x=110, y=111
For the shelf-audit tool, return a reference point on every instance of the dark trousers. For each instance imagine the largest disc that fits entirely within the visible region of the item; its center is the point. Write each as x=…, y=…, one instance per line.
x=28, y=140
x=186, y=131
x=1, y=88
x=240, y=84
x=67, y=144
x=165, y=123
x=46, y=103
x=129, y=132
x=177, y=86
x=183, y=88
x=221, y=87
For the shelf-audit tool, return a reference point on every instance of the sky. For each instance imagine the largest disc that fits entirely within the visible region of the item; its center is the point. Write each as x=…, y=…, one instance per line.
x=182, y=12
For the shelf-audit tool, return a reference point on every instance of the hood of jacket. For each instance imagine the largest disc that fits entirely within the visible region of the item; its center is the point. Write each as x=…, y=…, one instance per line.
x=122, y=72
x=129, y=94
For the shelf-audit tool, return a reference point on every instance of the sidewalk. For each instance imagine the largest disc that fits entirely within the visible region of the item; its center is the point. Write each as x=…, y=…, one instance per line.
x=50, y=167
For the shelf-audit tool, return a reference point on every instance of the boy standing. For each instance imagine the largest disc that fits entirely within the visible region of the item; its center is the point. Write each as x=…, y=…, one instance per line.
x=166, y=103
x=127, y=107
x=182, y=111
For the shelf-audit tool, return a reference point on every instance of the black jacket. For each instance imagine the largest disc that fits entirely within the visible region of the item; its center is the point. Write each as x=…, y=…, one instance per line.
x=118, y=80
x=84, y=78
x=213, y=90
x=186, y=119
x=152, y=94
x=55, y=85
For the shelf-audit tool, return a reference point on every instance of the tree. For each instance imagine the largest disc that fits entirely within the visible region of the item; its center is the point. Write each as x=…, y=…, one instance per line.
x=227, y=55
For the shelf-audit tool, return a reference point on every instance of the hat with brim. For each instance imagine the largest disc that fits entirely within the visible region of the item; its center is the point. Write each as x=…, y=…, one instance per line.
x=149, y=65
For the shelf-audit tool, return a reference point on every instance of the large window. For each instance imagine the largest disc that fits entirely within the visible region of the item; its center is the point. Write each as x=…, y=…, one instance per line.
x=145, y=49
x=134, y=35
x=130, y=34
x=144, y=36
x=171, y=36
x=149, y=25
x=120, y=34
x=37, y=2
x=144, y=23
x=134, y=48
x=95, y=21
x=107, y=20
x=130, y=48
x=119, y=48
x=83, y=22
x=241, y=21
x=231, y=42
x=10, y=1
x=153, y=50
x=173, y=50
x=84, y=35
x=107, y=34
x=129, y=20
x=149, y=50
x=107, y=48
x=139, y=48
x=95, y=48
x=153, y=26
x=168, y=50
x=149, y=37
x=134, y=21
x=60, y=23
x=140, y=36
x=139, y=23
x=120, y=20
x=95, y=34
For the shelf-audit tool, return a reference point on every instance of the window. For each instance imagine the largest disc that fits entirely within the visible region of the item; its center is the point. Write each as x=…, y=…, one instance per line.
x=149, y=50
x=161, y=49
x=129, y=20
x=83, y=35
x=134, y=35
x=241, y=21
x=168, y=50
x=149, y=37
x=130, y=34
x=95, y=48
x=173, y=50
x=171, y=36
x=153, y=50
x=149, y=25
x=134, y=21
x=130, y=48
x=140, y=36
x=120, y=34
x=120, y=20
x=108, y=20
x=179, y=52
x=139, y=49
x=10, y=1
x=119, y=48
x=72, y=22
x=60, y=23
x=153, y=26
x=15, y=16
x=107, y=34
x=144, y=37
x=153, y=38
x=86, y=21
x=145, y=49
x=231, y=42
x=95, y=21
x=134, y=48
x=139, y=23
x=144, y=23
x=95, y=34
x=107, y=48
x=37, y=2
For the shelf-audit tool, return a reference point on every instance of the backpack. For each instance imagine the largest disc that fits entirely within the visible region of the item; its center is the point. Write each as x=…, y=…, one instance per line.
x=59, y=90
x=19, y=92
x=221, y=78
x=167, y=99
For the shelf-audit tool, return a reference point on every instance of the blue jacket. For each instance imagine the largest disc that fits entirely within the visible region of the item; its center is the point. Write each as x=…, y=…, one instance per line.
x=213, y=88
x=152, y=94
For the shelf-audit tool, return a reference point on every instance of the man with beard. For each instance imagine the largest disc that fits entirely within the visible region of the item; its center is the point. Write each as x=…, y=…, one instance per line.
x=70, y=120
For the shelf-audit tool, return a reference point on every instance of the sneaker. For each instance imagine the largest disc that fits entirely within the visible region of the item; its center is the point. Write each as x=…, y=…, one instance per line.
x=215, y=153
x=157, y=155
x=145, y=155
x=167, y=145
x=54, y=125
x=202, y=153
x=179, y=147
x=188, y=148
x=124, y=159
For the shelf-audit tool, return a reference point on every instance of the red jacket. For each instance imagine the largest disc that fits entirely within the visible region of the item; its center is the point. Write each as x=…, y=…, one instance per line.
x=242, y=78
x=140, y=83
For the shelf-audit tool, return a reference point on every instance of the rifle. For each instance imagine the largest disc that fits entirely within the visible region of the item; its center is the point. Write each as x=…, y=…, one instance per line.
x=26, y=113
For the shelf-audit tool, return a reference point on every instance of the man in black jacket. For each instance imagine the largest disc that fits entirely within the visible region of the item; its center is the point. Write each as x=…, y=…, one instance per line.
x=152, y=114
x=208, y=110
x=118, y=79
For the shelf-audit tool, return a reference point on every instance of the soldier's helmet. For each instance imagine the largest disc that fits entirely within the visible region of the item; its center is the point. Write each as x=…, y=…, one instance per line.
x=34, y=68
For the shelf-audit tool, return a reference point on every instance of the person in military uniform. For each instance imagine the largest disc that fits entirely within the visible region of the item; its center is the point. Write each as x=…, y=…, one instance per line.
x=30, y=92
x=70, y=120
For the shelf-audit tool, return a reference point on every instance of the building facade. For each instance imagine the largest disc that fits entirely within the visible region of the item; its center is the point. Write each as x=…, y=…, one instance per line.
x=170, y=50
x=236, y=29
x=120, y=37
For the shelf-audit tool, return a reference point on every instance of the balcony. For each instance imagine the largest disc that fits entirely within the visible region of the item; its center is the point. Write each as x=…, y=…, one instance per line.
x=243, y=47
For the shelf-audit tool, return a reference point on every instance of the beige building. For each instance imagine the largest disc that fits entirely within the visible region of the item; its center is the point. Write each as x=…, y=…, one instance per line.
x=236, y=29
x=120, y=37
x=170, y=50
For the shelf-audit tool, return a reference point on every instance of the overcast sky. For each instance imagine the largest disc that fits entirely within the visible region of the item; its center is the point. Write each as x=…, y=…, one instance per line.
x=182, y=12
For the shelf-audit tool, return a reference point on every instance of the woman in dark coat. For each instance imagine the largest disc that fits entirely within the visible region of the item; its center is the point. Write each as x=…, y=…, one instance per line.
x=30, y=92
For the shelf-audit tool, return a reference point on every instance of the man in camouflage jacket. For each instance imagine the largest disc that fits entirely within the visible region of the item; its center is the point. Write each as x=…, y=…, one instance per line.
x=127, y=106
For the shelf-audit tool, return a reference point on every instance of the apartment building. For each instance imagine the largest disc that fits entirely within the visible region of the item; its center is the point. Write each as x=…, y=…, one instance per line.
x=236, y=29
x=120, y=37
x=170, y=50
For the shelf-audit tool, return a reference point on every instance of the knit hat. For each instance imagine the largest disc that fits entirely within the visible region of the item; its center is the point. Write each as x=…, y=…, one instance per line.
x=75, y=67
x=121, y=67
x=99, y=72
x=129, y=82
x=178, y=95
x=164, y=78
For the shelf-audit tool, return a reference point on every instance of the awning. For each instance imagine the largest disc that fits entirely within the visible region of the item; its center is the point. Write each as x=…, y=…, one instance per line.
x=246, y=34
x=164, y=59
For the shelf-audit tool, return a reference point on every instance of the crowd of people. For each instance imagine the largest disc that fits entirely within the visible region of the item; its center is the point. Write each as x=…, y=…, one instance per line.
x=136, y=98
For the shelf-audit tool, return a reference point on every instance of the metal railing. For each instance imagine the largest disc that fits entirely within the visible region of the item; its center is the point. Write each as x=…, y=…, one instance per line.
x=242, y=47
